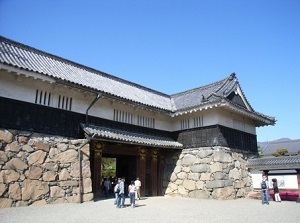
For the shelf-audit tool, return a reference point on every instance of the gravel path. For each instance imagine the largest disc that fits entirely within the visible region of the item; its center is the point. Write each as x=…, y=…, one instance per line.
x=158, y=209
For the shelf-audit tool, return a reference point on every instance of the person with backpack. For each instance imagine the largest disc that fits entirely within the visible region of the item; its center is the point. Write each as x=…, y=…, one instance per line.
x=264, y=191
x=121, y=194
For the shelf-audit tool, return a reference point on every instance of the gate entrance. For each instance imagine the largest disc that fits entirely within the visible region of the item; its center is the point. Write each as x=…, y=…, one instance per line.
x=131, y=161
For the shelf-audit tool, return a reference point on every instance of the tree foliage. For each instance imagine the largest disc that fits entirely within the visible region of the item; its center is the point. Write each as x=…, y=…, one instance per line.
x=108, y=167
x=280, y=152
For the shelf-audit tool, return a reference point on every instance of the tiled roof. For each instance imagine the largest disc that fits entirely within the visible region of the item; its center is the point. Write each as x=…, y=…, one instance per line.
x=129, y=137
x=27, y=58
x=284, y=162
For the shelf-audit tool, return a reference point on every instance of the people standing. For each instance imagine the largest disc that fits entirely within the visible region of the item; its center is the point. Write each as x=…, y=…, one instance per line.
x=138, y=185
x=116, y=191
x=264, y=191
x=276, y=190
x=121, y=197
x=131, y=191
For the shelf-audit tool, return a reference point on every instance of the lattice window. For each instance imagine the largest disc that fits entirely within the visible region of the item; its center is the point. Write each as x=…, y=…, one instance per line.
x=198, y=121
x=131, y=118
x=185, y=124
x=43, y=98
x=47, y=98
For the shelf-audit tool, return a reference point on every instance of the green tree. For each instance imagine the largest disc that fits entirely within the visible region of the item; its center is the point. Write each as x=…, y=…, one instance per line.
x=108, y=167
x=280, y=152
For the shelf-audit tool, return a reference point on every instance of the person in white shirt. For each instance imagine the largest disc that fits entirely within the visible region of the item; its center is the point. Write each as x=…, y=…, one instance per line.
x=131, y=190
x=138, y=185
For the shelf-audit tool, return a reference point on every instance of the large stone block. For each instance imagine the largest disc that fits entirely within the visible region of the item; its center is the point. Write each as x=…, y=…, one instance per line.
x=39, y=203
x=6, y=136
x=182, y=175
x=88, y=197
x=69, y=183
x=56, y=191
x=189, y=184
x=68, y=156
x=204, y=153
x=21, y=203
x=221, y=156
x=49, y=176
x=36, y=158
x=33, y=189
x=34, y=173
x=3, y=157
x=218, y=183
x=200, y=168
x=224, y=193
x=15, y=164
x=188, y=160
x=2, y=189
x=87, y=185
x=62, y=146
x=205, y=176
x=235, y=174
x=177, y=169
x=193, y=176
x=50, y=166
x=13, y=147
x=7, y=176
x=200, y=185
x=85, y=152
x=220, y=176
x=85, y=169
x=216, y=167
x=182, y=191
x=42, y=146
x=27, y=148
x=15, y=191
x=5, y=202
x=173, y=177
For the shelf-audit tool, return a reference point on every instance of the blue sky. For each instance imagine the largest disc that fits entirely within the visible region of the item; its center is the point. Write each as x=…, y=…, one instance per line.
x=173, y=46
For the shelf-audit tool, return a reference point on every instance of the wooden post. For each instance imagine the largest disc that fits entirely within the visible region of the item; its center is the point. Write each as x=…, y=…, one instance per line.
x=141, y=170
x=154, y=154
x=160, y=175
x=97, y=178
x=298, y=179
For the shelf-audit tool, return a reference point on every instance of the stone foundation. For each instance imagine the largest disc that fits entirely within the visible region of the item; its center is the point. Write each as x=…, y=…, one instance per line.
x=208, y=172
x=38, y=170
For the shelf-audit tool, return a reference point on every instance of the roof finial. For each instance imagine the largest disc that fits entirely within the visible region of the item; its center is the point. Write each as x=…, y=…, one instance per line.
x=232, y=75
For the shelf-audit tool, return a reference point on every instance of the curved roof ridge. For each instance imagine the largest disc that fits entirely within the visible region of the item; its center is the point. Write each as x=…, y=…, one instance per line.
x=198, y=88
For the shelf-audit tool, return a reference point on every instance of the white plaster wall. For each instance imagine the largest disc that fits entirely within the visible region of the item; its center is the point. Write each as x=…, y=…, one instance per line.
x=226, y=118
x=290, y=181
x=24, y=88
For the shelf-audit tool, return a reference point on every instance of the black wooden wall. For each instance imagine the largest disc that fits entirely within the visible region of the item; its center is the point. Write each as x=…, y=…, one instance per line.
x=42, y=119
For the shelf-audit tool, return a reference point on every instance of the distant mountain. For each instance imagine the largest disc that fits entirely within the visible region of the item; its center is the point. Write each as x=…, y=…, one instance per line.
x=268, y=147
x=264, y=144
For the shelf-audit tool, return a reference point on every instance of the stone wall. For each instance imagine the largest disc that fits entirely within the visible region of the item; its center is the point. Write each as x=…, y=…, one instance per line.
x=208, y=172
x=37, y=170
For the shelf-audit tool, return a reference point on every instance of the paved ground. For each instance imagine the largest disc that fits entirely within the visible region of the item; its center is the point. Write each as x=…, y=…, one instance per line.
x=158, y=209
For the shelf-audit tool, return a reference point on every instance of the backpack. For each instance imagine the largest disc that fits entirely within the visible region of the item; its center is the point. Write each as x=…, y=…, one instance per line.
x=117, y=188
x=263, y=185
